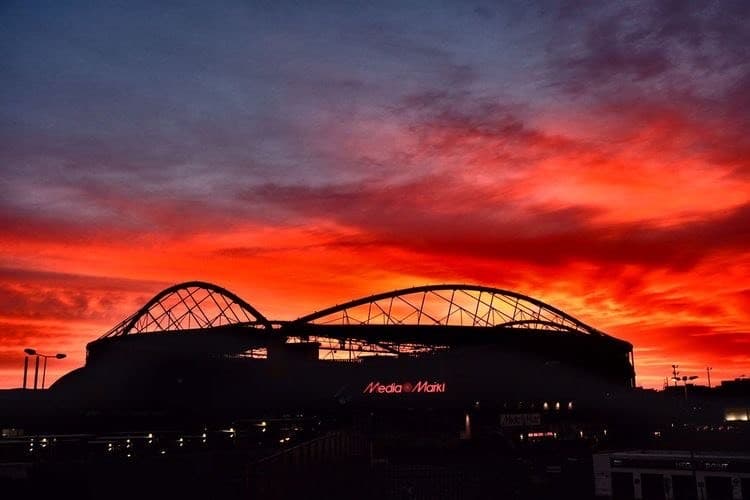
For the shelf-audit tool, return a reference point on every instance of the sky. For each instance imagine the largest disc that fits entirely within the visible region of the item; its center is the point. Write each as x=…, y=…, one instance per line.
x=594, y=155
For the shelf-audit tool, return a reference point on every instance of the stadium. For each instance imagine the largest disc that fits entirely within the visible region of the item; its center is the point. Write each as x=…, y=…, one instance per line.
x=199, y=347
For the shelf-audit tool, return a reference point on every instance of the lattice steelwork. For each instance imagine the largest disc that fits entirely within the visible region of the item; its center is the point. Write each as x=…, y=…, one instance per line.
x=349, y=349
x=188, y=306
x=446, y=305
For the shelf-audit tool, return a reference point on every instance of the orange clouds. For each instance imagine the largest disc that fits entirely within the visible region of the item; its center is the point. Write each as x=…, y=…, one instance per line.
x=692, y=316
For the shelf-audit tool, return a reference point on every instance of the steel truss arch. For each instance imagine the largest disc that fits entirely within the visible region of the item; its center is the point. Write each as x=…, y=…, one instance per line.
x=187, y=306
x=451, y=305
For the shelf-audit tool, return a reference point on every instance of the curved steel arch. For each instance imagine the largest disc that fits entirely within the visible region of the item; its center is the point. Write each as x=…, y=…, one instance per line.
x=189, y=305
x=488, y=307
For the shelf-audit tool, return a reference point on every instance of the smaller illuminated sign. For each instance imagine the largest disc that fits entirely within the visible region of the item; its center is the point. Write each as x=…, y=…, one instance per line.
x=376, y=387
x=716, y=466
x=520, y=419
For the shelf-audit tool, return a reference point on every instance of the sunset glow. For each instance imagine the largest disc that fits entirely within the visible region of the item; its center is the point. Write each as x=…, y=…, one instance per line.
x=596, y=159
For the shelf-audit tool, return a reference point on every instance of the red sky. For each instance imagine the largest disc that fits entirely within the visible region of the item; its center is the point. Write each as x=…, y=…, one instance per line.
x=596, y=159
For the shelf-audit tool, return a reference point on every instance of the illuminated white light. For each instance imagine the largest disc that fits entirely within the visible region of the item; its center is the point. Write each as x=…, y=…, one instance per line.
x=263, y=424
x=570, y=405
x=203, y=435
x=545, y=406
x=557, y=405
x=163, y=452
x=736, y=415
x=150, y=435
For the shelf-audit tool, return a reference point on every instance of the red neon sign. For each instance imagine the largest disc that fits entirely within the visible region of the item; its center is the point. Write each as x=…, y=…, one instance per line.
x=425, y=386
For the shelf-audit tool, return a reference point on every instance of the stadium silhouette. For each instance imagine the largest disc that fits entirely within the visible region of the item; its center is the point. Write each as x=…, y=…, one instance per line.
x=198, y=347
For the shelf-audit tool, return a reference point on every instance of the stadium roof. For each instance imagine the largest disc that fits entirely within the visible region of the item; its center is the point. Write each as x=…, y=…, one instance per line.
x=197, y=305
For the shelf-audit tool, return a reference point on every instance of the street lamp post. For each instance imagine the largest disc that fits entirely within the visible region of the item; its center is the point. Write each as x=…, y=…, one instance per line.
x=36, y=371
x=33, y=352
x=28, y=352
x=59, y=355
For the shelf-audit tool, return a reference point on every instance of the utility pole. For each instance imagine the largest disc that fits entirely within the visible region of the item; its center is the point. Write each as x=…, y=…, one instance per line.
x=674, y=374
x=708, y=373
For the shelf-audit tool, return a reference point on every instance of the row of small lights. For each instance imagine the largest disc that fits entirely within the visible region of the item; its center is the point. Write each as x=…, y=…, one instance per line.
x=545, y=405
x=557, y=405
x=549, y=434
x=111, y=448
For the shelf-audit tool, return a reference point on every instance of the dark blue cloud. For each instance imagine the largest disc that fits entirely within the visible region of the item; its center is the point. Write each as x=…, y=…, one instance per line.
x=196, y=102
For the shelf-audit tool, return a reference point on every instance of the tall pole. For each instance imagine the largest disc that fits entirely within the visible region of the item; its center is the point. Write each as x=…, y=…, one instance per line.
x=684, y=383
x=44, y=371
x=25, y=369
x=708, y=372
x=36, y=372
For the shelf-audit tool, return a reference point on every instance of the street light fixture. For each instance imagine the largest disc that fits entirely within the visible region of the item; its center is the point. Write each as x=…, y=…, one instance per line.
x=33, y=352
x=29, y=352
x=59, y=355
